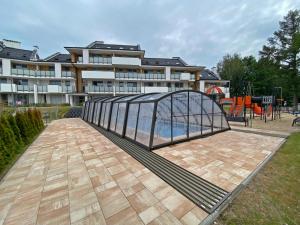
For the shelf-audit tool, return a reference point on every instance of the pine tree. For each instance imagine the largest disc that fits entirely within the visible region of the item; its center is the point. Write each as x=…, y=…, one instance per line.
x=283, y=49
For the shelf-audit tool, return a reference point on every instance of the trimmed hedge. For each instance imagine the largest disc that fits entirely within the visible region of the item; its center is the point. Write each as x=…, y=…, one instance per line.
x=16, y=132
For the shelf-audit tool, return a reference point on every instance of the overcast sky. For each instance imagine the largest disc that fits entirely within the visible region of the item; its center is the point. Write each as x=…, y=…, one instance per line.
x=200, y=32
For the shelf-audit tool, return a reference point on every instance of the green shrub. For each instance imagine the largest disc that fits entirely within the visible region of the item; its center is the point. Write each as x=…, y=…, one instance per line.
x=15, y=128
x=24, y=127
x=16, y=131
x=8, y=138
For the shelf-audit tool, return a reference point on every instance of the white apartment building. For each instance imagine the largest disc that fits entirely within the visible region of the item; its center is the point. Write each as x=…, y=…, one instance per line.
x=94, y=70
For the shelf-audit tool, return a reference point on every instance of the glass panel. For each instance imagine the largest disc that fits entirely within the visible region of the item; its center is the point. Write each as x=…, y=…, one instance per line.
x=96, y=113
x=102, y=114
x=121, y=118
x=87, y=111
x=131, y=120
x=180, y=115
x=207, y=115
x=114, y=115
x=144, y=123
x=106, y=115
x=195, y=125
x=162, y=129
x=91, y=111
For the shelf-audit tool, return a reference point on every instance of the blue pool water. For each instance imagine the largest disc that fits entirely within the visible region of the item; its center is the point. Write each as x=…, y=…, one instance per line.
x=179, y=129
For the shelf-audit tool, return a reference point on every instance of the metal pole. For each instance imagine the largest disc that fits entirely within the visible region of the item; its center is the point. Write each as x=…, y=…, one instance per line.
x=171, y=118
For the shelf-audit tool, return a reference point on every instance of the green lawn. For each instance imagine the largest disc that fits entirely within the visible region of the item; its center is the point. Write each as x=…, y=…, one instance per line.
x=273, y=197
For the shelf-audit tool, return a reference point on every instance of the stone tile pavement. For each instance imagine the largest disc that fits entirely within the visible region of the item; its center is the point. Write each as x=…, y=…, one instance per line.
x=73, y=175
x=224, y=159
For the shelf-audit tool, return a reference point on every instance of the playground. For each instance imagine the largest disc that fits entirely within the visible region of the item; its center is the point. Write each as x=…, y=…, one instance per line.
x=260, y=112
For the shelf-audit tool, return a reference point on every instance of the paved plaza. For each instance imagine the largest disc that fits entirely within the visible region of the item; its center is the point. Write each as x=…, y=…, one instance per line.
x=72, y=174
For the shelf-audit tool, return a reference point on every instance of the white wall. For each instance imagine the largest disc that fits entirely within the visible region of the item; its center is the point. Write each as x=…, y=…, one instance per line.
x=154, y=89
x=6, y=67
x=85, y=56
x=185, y=76
x=202, y=85
x=126, y=61
x=57, y=69
x=98, y=74
x=168, y=73
x=54, y=88
x=7, y=88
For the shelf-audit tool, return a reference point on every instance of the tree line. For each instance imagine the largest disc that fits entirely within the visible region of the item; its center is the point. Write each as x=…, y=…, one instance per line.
x=277, y=66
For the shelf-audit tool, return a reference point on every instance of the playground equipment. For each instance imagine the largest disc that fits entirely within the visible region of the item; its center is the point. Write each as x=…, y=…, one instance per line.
x=236, y=108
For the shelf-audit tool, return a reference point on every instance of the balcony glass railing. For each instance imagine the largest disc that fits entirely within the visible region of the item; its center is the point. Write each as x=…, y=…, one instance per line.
x=67, y=89
x=140, y=76
x=45, y=73
x=192, y=76
x=0, y=70
x=128, y=89
x=175, y=76
x=67, y=74
x=25, y=88
x=171, y=89
x=80, y=59
x=94, y=88
x=42, y=88
x=100, y=60
x=33, y=73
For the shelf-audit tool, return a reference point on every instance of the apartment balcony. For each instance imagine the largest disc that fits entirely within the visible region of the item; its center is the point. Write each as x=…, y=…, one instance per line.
x=23, y=72
x=140, y=76
x=175, y=76
x=33, y=73
x=25, y=88
x=7, y=88
x=171, y=89
x=68, y=74
x=128, y=89
x=44, y=73
x=80, y=59
x=192, y=77
x=68, y=89
x=42, y=88
x=155, y=89
x=181, y=76
x=99, y=89
x=100, y=60
x=98, y=74
x=126, y=61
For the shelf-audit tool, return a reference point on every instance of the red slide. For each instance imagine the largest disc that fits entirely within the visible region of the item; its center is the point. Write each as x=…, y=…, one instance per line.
x=257, y=110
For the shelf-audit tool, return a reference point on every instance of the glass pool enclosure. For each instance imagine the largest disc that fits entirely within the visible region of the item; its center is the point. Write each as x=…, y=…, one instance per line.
x=154, y=120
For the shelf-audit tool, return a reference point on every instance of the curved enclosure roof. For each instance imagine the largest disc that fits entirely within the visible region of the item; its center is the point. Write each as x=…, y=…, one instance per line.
x=157, y=119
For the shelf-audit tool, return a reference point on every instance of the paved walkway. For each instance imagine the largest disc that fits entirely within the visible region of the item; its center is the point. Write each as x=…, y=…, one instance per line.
x=73, y=175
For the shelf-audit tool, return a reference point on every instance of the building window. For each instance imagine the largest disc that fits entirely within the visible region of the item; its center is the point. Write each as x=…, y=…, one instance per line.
x=109, y=84
x=131, y=84
x=97, y=83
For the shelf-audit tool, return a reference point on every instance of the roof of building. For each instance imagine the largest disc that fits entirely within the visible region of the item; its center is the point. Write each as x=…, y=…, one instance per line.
x=16, y=53
x=102, y=45
x=209, y=75
x=175, y=61
x=59, y=57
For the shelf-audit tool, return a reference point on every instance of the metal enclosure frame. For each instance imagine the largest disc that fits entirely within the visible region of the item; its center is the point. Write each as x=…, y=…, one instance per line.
x=155, y=120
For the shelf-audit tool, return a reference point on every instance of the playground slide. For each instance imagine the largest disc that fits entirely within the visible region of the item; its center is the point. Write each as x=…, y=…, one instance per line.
x=257, y=110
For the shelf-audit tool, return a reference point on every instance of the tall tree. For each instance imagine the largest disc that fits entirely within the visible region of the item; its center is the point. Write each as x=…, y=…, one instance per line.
x=283, y=49
x=231, y=68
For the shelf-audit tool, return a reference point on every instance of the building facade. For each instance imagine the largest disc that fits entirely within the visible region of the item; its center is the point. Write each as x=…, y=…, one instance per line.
x=94, y=70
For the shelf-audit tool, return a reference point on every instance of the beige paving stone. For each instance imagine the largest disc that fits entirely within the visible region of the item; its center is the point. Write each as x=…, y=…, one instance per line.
x=124, y=217
x=72, y=174
x=166, y=219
